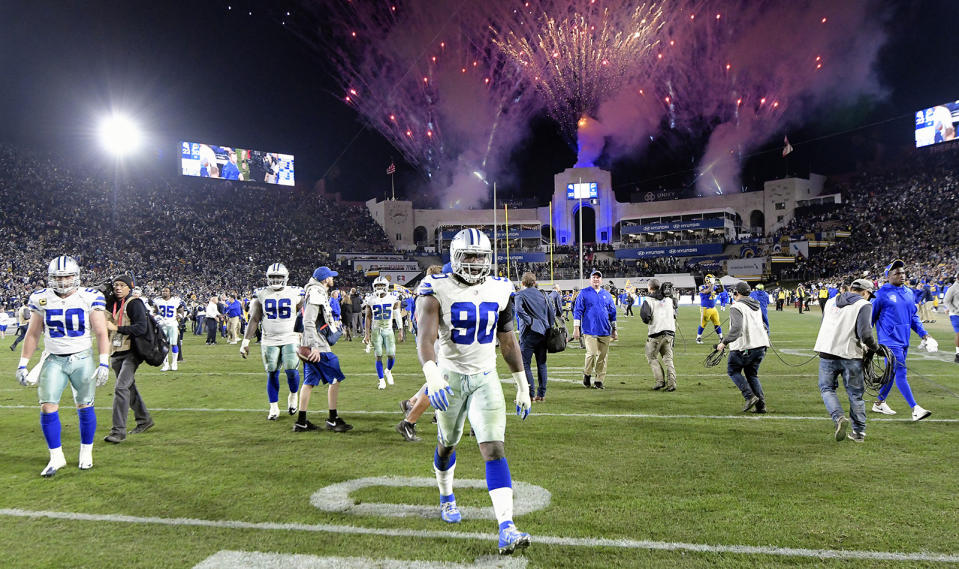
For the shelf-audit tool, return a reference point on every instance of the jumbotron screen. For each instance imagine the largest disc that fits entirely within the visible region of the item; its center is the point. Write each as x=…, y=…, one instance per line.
x=232, y=163
x=584, y=191
x=937, y=124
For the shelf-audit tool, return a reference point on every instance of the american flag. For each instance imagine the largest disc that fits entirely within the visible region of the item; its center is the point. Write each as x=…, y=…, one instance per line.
x=391, y=169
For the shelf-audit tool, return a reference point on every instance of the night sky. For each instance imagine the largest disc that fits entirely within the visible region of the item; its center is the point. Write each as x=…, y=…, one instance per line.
x=203, y=72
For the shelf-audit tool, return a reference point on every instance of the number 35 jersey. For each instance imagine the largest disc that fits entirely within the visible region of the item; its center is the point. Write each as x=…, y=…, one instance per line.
x=468, y=318
x=66, y=321
x=278, y=314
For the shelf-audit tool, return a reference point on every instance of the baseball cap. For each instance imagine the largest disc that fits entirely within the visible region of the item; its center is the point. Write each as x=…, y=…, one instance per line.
x=742, y=288
x=596, y=272
x=864, y=284
x=894, y=265
x=323, y=273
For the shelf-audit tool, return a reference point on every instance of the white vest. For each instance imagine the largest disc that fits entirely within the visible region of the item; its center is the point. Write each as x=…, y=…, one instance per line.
x=837, y=334
x=753, y=333
x=663, y=320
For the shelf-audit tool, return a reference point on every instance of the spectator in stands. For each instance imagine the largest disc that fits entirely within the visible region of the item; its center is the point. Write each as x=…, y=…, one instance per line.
x=535, y=316
x=594, y=318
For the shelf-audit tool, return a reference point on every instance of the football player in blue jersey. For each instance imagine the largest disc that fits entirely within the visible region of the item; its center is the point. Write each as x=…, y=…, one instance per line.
x=468, y=311
x=707, y=307
x=66, y=315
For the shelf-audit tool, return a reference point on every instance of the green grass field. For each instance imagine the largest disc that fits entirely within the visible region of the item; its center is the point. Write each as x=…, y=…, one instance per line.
x=637, y=478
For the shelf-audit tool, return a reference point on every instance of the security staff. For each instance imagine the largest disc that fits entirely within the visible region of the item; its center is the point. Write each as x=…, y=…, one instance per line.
x=846, y=327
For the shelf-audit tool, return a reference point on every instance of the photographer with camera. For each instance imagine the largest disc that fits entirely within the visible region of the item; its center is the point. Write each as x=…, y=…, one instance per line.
x=846, y=327
x=659, y=313
x=126, y=319
x=747, y=341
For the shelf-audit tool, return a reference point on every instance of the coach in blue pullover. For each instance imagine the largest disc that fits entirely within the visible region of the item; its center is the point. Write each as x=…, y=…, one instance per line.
x=595, y=315
x=894, y=314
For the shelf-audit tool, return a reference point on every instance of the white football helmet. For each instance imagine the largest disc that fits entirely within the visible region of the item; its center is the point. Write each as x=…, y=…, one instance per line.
x=381, y=286
x=471, y=255
x=277, y=275
x=63, y=275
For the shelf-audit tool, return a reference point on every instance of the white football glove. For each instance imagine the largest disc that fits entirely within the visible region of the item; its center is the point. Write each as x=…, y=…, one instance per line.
x=245, y=348
x=102, y=375
x=437, y=388
x=22, y=377
x=523, y=403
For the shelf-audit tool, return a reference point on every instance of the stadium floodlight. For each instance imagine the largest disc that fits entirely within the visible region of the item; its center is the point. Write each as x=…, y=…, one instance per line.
x=119, y=135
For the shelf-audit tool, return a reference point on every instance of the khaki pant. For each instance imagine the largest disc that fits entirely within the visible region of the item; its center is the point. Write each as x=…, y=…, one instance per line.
x=233, y=329
x=925, y=311
x=597, y=349
x=661, y=346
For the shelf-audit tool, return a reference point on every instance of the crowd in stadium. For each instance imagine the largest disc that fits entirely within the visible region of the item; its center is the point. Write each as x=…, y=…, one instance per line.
x=201, y=237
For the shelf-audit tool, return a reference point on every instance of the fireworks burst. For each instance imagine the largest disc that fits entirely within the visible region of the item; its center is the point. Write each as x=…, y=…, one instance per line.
x=578, y=54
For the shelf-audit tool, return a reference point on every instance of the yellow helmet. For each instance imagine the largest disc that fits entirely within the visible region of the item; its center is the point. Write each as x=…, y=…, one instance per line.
x=709, y=279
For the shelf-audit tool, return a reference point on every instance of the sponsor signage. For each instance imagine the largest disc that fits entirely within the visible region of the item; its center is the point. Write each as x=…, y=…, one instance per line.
x=670, y=251
x=673, y=226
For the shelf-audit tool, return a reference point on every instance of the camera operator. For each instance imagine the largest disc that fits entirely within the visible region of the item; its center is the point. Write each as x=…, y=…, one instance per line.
x=126, y=318
x=659, y=312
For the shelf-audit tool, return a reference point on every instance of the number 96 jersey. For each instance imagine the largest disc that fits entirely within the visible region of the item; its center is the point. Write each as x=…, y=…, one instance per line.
x=278, y=309
x=469, y=315
x=66, y=321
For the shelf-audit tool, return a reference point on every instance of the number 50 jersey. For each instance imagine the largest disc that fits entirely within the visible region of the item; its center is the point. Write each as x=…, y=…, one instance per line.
x=468, y=320
x=66, y=321
x=278, y=314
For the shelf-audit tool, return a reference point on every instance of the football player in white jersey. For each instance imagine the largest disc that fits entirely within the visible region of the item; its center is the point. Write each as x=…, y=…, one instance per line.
x=168, y=315
x=381, y=309
x=468, y=311
x=65, y=314
x=276, y=307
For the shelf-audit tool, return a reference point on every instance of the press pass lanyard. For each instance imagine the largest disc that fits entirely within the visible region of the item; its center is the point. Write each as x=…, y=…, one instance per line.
x=119, y=320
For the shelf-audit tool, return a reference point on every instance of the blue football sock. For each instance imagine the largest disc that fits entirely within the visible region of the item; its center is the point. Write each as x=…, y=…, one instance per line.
x=444, y=463
x=50, y=424
x=293, y=380
x=699, y=332
x=497, y=474
x=390, y=360
x=273, y=386
x=175, y=349
x=719, y=330
x=379, y=368
x=88, y=424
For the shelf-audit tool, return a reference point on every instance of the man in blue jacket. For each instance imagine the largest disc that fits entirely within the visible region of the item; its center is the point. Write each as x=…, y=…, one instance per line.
x=535, y=315
x=594, y=316
x=760, y=296
x=894, y=315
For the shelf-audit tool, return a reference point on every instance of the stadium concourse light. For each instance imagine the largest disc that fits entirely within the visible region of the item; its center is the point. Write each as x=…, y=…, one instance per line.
x=119, y=135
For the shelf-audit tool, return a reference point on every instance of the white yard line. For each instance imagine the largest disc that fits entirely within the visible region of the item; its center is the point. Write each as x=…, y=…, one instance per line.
x=491, y=538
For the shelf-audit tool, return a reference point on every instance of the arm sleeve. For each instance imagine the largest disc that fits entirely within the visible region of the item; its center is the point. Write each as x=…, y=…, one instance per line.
x=506, y=317
x=578, y=308
x=310, y=336
x=864, y=328
x=646, y=313
x=735, y=327
x=520, y=309
x=916, y=325
x=876, y=309
x=137, y=313
x=611, y=308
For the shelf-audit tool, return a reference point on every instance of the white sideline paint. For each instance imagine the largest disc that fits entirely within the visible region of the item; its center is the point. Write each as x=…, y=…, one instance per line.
x=927, y=556
x=740, y=417
x=336, y=498
x=256, y=560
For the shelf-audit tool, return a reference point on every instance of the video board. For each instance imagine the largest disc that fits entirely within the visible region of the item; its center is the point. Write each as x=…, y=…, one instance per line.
x=937, y=124
x=584, y=191
x=234, y=163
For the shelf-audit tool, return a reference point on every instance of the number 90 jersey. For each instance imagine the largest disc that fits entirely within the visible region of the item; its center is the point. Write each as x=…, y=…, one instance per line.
x=468, y=320
x=278, y=314
x=66, y=321
x=381, y=309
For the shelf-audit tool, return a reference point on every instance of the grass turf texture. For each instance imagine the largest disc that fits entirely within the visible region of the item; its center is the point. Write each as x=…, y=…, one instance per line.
x=613, y=474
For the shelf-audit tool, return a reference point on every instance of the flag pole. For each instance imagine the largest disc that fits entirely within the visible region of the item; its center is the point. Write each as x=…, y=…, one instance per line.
x=551, y=242
x=392, y=186
x=506, y=213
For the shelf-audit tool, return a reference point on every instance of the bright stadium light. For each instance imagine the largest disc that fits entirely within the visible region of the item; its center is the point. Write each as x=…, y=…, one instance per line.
x=119, y=135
